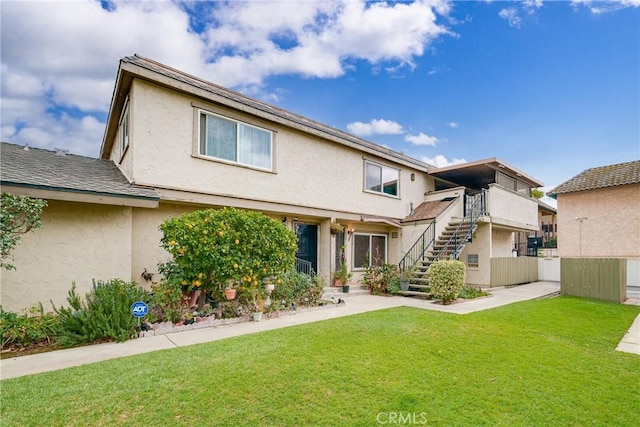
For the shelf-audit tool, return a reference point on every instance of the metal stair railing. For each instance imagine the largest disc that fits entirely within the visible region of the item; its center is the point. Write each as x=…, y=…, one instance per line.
x=419, y=248
x=475, y=207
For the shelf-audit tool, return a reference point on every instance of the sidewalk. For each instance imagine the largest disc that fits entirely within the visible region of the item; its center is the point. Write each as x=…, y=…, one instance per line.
x=43, y=362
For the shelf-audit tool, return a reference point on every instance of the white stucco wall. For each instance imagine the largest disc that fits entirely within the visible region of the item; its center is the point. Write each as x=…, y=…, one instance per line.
x=309, y=171
x=549, y=269
x=77, y=242
x=633, y=273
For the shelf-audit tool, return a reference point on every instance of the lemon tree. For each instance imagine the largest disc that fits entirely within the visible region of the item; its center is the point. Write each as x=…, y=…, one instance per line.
x=213, y=247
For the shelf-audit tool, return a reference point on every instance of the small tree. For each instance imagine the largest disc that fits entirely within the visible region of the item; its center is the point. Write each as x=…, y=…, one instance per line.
x=446, y=279
x=537, y=194
x=215, y=246
x=18, y=215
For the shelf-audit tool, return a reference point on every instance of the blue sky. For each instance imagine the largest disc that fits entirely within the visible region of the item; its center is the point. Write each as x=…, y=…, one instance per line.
x=550, y=87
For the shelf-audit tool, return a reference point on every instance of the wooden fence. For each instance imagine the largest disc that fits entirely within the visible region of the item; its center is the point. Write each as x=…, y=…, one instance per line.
x=513, y=271
x=599, y=278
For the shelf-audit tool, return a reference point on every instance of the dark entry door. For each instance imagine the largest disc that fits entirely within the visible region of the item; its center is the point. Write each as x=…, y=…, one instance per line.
x=308, y=243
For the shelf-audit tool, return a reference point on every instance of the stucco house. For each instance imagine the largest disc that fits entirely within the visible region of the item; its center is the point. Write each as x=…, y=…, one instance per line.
x=599, y=212
x=175, y=143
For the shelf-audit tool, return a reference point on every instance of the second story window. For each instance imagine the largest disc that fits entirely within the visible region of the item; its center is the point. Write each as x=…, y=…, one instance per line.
x=124, y=129
x=234, y=141
x=381, y=179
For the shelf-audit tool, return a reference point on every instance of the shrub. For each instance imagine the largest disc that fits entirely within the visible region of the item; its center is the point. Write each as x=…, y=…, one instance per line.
x=298, y=288
x=467, y=292
x=381, y=279
x=446, y=279
x=30, y=328
x=106, y=314
x=167, y=302
x=18, y=215
x=213, y=247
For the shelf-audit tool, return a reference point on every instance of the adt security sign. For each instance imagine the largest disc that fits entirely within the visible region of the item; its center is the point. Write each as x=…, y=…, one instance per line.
x=139, y=309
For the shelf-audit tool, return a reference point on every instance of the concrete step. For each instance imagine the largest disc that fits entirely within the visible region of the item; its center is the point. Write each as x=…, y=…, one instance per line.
x=414, y=286
x=336, y=292
x=415, y=294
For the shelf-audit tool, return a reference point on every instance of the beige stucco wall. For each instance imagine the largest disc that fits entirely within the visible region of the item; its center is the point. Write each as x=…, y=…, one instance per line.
x=309, y=171
x=502, y=243
x=146, y=250
x=611, y=227
x=77, y=242
x=512, y=209
x=481, y=245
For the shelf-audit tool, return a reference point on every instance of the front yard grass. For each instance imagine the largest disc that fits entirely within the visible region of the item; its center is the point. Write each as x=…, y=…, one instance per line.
x=544, y=362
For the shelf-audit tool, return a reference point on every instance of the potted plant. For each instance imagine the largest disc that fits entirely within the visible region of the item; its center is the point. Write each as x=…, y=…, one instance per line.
x=336, y=228
x=404, y=277
x=229, y=291
x=256, y=303
x=341, y=277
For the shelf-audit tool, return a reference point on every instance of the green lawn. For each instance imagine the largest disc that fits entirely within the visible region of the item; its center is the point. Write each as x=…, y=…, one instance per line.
x=538, y=363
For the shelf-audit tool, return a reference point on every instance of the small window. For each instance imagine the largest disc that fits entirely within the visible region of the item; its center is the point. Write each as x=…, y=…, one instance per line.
x=124, y=129
x=369, y=250
x=233, y=141
x=381, y=179
x=472, y=260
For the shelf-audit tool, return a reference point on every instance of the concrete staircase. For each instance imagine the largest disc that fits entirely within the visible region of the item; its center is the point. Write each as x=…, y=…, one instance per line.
x=448, y=245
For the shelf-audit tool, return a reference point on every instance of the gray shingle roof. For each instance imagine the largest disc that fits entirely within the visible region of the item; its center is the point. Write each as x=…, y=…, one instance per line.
x=601, y=177
x=38, y=168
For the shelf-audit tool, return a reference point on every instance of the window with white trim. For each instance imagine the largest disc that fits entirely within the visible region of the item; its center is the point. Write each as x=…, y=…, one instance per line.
x=381, y=179
x=234, y=141
x=124, y=129
x=369, y=250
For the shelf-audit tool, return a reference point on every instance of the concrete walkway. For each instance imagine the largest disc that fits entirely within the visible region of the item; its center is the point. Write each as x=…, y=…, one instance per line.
x=354, y=304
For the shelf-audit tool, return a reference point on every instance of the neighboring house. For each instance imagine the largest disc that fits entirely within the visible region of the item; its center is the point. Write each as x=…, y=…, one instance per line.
x=599, y=212
x=175, y=143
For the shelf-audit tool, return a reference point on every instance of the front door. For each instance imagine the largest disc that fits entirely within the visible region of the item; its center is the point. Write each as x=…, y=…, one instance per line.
x=308, y=243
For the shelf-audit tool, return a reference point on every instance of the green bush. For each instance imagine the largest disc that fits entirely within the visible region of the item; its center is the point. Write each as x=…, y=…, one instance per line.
x=31, y=328
x=18, y=216
x=299, y=288
x=167, y=302
x=467, y=292
x=213, y=247
x=381, y=279
x=106, y=314
x=446, y=279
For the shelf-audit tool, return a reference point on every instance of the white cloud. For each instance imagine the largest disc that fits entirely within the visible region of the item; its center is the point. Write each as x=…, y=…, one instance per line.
x=532, y=4
x=600, y=7
x=453, y=125
x=422, y=139
x=65, y=54
x=510, y=14
x=440, y=161
x=375, y=127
